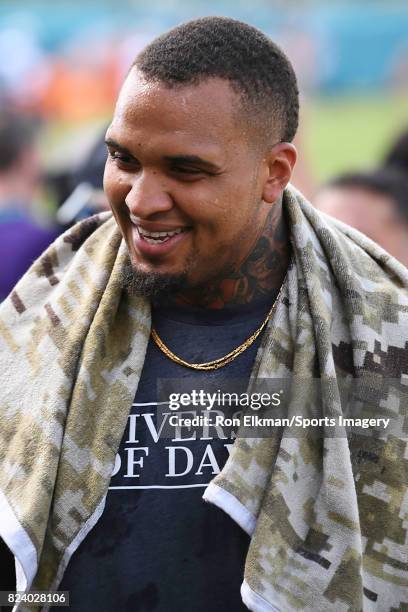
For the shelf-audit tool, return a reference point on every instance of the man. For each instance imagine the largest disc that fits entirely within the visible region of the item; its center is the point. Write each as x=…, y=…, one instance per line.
x=21, y=239
x=375, y=203
x=223, y=273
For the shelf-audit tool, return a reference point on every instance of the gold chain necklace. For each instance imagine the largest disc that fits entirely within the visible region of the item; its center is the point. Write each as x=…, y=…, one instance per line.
x=222, y=361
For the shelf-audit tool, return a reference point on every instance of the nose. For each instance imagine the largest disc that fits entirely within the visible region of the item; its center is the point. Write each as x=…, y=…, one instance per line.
x=148, y=196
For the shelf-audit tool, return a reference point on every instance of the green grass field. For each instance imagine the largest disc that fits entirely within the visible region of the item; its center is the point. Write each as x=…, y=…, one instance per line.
x=351, y=133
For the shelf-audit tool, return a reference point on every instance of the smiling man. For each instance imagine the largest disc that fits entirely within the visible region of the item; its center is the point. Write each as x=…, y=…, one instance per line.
x=211, y=269
x=198, y=159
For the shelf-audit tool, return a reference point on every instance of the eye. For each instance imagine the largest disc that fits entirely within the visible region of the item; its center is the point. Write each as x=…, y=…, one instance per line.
x=187, y=170
x=188, y=173
x=122, y=159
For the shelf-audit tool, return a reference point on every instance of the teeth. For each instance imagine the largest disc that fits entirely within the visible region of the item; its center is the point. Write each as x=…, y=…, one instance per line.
x=155, y=235
x=153, y=241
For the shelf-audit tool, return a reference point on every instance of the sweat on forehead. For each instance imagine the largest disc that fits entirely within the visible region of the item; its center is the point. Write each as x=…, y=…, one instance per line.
x=207, y=92
x=208, y=106
x=208, y=111
x=218, y=47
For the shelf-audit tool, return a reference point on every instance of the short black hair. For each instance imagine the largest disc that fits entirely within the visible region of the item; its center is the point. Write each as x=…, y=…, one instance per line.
x=255, y=67
x=388, y=181
x=397, y=156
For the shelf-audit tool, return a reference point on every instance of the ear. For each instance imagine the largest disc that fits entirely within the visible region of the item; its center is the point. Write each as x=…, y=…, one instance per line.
x=280, y=161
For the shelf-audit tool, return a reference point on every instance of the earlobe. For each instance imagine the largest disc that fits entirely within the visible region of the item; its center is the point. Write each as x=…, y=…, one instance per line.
x=281, y=161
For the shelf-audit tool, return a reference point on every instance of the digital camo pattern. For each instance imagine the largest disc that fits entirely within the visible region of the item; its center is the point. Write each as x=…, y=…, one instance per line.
x=72, y=350
x=331, y=514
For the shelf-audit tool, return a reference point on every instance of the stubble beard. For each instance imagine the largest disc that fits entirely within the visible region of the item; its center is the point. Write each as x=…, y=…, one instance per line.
x=156, y=285
x=152, y=285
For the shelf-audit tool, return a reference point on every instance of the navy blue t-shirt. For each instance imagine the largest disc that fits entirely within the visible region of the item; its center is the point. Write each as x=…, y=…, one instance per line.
x=158, y=546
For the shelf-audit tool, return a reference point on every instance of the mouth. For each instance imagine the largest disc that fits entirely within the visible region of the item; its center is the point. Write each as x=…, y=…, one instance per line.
x=159, y=237
x=157, y=240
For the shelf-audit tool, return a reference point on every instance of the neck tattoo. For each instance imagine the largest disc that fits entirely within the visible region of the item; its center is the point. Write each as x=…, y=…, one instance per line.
x=259, y=275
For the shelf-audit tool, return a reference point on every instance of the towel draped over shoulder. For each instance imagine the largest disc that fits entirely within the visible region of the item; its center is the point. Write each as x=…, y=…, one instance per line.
x=327, y=515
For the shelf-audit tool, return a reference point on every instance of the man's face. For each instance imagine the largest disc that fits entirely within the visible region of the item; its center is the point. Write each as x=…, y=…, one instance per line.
x=372, y=213
x=184, y=184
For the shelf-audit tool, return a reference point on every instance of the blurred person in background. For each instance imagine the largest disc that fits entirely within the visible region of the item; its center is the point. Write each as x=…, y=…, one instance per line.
x=22, y=239
x=397, y=156
x=375, y=203
x=83, y=186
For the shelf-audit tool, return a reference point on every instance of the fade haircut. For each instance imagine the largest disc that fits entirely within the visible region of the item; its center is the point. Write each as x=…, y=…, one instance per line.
x=253, y=65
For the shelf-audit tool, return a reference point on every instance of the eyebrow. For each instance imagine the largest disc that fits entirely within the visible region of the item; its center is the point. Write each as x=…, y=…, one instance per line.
x=175, y=159
x=192, y=159
x=112, y=143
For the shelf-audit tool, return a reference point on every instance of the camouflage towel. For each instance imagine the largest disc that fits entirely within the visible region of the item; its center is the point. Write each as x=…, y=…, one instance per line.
x=328, y=518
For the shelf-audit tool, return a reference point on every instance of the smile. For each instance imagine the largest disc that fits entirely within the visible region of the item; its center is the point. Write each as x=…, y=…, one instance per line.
x=157, y=241
x=158, y=237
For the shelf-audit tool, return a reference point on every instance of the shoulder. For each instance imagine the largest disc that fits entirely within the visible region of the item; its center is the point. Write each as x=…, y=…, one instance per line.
x=76, y=235
x=343, y=249
x=80, y=257
x=81, y=239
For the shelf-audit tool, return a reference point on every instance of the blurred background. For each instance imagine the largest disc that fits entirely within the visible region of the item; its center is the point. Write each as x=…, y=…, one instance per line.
x=63, y=62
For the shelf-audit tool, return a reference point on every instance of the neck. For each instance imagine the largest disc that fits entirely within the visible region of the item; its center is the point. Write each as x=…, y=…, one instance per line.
x=261, y=273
